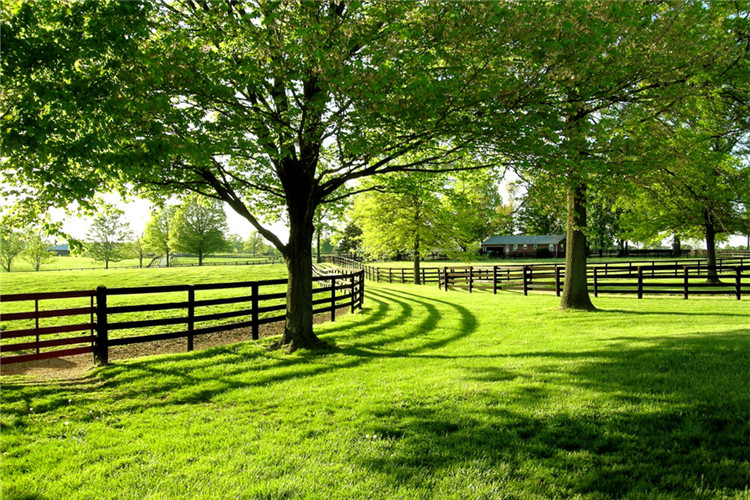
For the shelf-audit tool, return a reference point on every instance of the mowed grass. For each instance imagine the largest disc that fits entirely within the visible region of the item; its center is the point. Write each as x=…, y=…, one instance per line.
x=428, y=394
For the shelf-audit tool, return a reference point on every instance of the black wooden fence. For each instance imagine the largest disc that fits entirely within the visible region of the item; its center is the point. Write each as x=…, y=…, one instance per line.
x=175, y=308
x=733, y=278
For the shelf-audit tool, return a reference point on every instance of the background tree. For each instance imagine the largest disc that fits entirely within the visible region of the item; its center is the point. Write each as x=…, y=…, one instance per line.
x=235, y=243
x=156, y=235
x=541, y=211
x=11, y=246
x=36, y=248
x=108, y=236
x=254, y=243
x=138, y=248
x=198, y=227
x=473, y=210
x=402, y=214
x=349, y=240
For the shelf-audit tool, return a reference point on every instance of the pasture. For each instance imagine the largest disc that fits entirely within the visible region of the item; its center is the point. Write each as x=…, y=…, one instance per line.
x=427, y=394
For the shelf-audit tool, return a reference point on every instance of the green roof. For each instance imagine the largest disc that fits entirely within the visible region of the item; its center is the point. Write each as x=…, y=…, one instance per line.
x=544, y=239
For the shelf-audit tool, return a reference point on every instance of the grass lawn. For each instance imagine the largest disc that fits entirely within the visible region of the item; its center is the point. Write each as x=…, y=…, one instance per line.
x=428, y=394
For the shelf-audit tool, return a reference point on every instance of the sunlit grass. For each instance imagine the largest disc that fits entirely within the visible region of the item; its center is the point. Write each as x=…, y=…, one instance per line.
x=428, y=394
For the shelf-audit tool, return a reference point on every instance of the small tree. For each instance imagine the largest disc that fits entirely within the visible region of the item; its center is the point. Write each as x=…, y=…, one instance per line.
x=36, y=250
x=156, y=236
x=11, y=246
x=254, y=243
x=235, y=243
x=108, y=236
x=199, y=226
x=138, y=248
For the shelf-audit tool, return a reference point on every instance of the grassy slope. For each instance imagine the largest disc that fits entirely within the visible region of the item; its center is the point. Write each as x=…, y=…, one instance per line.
x=429, y=394
x=76, y=262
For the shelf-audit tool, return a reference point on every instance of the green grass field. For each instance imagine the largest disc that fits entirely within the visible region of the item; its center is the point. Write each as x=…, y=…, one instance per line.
x=428, y=394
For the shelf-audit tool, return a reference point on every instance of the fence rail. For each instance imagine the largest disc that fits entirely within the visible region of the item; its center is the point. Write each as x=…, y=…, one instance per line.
x=678, y=277
x=625, y=279
x=148, y=311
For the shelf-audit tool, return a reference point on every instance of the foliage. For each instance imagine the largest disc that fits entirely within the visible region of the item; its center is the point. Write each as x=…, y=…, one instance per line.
x=198, y=227
x=255, y=243
x=349, y=240
x=36, y=248
x=158, y=228
x=11, y=246
x=429, y=395
x=235, y=243
x=138, y=248
x=108, y=236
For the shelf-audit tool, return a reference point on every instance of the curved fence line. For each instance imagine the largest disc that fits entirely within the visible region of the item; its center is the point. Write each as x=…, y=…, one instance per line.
x=685, y=277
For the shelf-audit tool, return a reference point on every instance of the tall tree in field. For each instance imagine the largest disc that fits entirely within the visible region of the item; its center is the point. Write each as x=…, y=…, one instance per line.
x=138, y=248
x=11, y=246
x=199, y=226
x=158, y=229
x=402, y=215
x=254, y=243
x=36, y=248
x=264, y=105
x=108, y=236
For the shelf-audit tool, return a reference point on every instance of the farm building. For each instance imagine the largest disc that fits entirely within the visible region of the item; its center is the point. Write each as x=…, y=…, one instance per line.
x=60, y=250
x=525, y=246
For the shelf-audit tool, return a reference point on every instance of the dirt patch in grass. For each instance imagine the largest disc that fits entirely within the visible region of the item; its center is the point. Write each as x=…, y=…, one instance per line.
x=73, y=367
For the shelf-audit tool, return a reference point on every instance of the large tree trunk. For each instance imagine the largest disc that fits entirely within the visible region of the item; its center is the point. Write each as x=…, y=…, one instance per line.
x=711, y=250
x=575, y=291
x=298, y=331
x=676, y=247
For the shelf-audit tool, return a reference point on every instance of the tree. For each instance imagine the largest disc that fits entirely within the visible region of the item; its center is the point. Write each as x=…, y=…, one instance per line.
x=472, y=209
x=156, y=236
x=349, y=240
x=254, y=243
x=199, y=226
x=235, y=243
x=401, y=216
x=108, y=236
x=600, y=58
x=11, y=246
x=36, y=248
x=138, y=248
x=267, y=106
x=541, y=211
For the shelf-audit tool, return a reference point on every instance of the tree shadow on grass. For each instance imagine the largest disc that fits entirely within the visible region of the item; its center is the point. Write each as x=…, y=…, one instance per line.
x=204, y=375
x=670, y=419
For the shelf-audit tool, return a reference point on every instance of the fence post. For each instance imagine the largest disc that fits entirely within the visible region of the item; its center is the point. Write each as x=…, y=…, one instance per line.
x=101, y=348
x=191, y=316
x=390, y=275
x=557, y=280
x=361, y=290
x=445, y=271
x=471, y=278
x=494, y=280
x=596, y=283
x=333, y=299
x=254, y=311
x=685, y=281
x=640, y=282
x=351, y=291
x=525, y=283
x=403, y=276
x=377, y=275
x=737, y=283
x=424, y=275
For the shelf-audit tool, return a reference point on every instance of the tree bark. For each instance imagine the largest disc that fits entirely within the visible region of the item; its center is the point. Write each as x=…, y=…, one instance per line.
x=711, y=250
x=676, y=246
x=298, y=331
x=575, y=293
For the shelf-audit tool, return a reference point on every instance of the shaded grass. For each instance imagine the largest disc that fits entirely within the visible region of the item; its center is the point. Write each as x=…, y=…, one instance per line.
x=427, y=395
